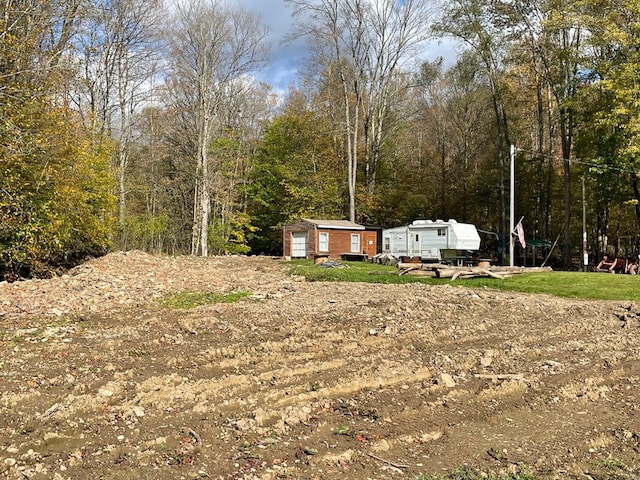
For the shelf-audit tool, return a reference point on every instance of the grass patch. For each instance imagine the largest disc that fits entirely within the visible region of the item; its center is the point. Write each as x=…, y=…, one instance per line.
x=471, y=474
x=351, y=272
x=187, y=300
x=592, y=285
x=597, y=286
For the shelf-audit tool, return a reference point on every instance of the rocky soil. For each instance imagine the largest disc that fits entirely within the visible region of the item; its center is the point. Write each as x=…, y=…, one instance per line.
x=308, y=380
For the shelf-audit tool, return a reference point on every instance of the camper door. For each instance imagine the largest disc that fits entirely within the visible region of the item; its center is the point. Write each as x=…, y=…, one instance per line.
x=416, y=246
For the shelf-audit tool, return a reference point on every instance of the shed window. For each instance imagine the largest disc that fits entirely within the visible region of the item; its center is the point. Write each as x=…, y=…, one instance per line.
x=442, y=232
x=387, y=243
x=355, y=243
x=323, y=242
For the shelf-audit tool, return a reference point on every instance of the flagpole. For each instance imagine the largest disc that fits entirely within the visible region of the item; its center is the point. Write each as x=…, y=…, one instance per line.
x=512, y=155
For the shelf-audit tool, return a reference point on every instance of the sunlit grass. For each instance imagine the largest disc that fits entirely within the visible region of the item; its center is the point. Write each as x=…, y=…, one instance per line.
x=472, y=474
x=599, y=286
x=187, y=300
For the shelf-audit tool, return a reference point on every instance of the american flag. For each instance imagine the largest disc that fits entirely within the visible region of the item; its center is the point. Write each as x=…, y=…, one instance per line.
x=520, y=233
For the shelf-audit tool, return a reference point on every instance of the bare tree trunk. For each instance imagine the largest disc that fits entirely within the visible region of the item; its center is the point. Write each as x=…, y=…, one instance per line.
x=367, y=41
x=195, y=229
x=212, y=47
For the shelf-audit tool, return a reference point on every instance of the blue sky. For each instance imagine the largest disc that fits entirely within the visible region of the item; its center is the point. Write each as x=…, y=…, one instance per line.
x=286, y=58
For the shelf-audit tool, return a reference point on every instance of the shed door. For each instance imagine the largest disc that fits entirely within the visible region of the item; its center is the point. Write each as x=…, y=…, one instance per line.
x=299, y=244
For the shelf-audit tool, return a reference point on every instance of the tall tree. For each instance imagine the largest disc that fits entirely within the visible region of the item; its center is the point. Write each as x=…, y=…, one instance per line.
x=54, y=181
x=211, y=47
x=609, y=106
x=295, y=174
x=366, y=44
x=546, y=51
x=472, y=22
x=117, y=45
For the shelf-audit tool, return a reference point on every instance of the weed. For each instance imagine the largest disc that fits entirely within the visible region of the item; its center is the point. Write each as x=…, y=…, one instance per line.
x=344, y=430
x=611, y=464
x=466, y=473
x=138, y=352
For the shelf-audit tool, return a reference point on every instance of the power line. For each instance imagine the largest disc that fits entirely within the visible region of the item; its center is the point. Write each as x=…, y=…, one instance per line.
x=581, y=162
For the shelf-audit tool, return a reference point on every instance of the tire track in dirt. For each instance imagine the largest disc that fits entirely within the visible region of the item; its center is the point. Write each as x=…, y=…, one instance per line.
x=306, y=380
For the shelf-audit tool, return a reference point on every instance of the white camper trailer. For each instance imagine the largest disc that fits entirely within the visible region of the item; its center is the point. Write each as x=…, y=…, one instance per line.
x=431, y=240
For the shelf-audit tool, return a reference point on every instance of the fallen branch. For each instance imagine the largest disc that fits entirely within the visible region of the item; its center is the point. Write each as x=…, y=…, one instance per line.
x=501, y=376
x=454, y=272
x=397, y=465
x=408, y=269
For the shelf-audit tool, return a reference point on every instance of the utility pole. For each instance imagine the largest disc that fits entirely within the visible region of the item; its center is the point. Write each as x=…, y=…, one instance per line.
x=585, y=253
x=512, y=197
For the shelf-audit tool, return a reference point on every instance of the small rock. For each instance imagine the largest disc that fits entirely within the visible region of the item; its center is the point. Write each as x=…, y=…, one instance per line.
x=105, y=392
x=446, y=380
x=486, y=361
x=380, y=446
x=261, y=417
x=244, y=424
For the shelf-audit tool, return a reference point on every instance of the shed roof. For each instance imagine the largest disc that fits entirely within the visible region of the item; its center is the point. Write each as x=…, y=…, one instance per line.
x=336, y=224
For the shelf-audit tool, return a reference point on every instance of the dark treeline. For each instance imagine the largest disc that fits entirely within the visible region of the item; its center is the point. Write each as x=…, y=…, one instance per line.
x=126, y=129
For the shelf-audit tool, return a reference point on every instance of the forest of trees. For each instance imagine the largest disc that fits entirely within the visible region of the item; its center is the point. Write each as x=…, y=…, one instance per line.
x=129, y=124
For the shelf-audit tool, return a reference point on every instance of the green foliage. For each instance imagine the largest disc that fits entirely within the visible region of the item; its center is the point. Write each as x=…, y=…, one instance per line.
x=608, y=105
x=186, y=300
x=295, y=174
x=612, y=464
x=230, y=237
x=56, y=185
x=140, y=231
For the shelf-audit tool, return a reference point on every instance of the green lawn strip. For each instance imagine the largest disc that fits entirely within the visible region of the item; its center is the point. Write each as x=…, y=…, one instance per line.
x=187, y=300
x=591, y=285
x=469, y=474
x=609, y=469
x=597, y=286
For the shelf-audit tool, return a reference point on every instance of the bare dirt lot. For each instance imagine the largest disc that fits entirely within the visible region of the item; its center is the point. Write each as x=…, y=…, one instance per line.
x=308, y=380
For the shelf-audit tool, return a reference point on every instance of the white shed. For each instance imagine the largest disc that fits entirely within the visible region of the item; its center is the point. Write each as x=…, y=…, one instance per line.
x=431, y=240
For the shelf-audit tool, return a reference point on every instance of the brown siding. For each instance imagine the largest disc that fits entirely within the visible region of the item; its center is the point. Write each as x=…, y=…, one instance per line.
x=299, y=226
x=339, y=240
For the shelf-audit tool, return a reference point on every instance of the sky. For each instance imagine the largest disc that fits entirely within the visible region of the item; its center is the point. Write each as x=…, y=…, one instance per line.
x=286, y=58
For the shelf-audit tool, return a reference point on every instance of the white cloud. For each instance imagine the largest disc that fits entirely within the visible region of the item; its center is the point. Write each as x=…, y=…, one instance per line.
x=285, y=58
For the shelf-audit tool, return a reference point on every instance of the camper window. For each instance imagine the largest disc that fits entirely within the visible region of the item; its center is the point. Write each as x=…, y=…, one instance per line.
x=442, y=232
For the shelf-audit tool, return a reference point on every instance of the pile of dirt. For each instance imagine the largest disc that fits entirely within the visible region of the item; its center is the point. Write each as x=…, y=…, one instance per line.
x=308, y=380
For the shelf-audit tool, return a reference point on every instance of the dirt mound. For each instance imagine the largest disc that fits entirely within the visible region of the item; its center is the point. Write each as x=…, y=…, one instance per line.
x=308, y=380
